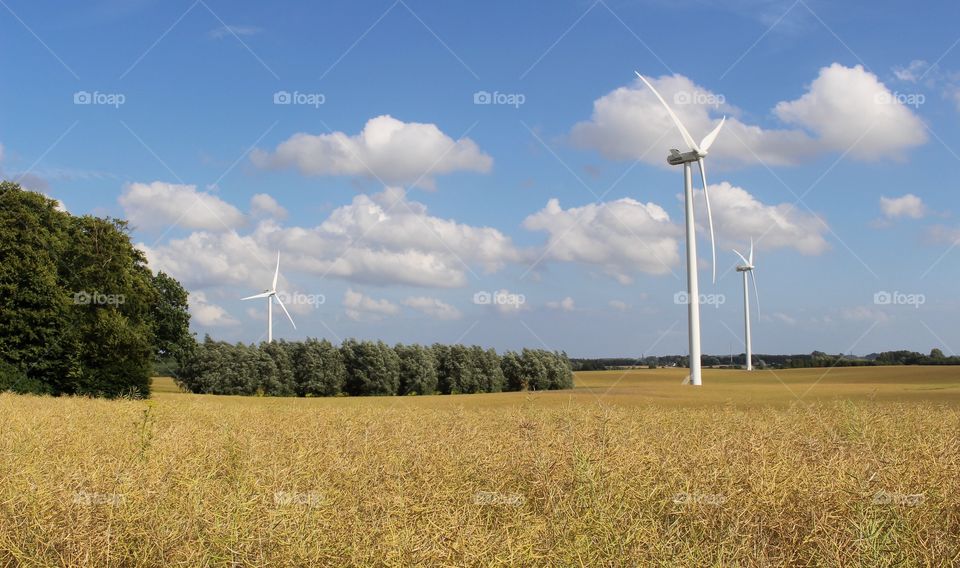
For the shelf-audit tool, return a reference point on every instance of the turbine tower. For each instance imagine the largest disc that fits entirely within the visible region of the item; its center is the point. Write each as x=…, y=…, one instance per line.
x=271, y=295
x=695, y=154
x=746, y=267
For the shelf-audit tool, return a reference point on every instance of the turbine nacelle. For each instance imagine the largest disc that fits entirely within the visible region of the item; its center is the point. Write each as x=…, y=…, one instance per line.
x=271, y=294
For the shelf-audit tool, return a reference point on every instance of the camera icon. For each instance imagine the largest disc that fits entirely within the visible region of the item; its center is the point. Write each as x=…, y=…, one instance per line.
x=682, y=98
x=882, y=298
x=81, y=298
x=82, y=98
x=482, y=98
x=483, y=298
x=681, y=298
x=282, y=98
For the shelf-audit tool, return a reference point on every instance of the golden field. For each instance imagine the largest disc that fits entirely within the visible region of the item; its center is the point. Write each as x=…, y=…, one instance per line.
x=846, y=467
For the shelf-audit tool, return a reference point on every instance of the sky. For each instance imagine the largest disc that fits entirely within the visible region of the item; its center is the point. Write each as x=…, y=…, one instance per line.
x=494, y=173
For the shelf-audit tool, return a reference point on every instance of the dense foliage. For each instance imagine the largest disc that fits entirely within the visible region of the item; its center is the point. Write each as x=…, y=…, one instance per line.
x=358, y=368
x=80, y=311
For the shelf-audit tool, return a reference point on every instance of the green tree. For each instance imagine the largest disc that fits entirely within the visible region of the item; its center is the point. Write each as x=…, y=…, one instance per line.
x=418, y=369
x=318, y=368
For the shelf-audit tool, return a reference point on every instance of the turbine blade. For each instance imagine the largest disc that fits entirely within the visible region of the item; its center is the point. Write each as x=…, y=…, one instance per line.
x=751, y=251
x=756, y=292
x=683, y=131
x=709, y=138
x=745, y=261
x=279, y=301
x=276, y=273
x=706, y=196
x=264, y=295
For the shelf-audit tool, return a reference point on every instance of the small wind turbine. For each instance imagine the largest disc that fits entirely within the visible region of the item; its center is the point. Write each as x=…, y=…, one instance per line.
x=676, y=158
x=746, y=267
x=271, y=295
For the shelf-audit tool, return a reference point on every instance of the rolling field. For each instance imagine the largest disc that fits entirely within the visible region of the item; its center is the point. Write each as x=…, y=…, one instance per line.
x=852, y=467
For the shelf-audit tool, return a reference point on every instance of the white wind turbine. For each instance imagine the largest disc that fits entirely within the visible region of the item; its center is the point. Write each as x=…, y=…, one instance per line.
x=271, y=295
x=746, y=267
x=676, y=158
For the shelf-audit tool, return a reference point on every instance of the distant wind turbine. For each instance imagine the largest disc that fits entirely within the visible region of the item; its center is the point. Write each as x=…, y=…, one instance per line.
x=746, y=267
x=271, y=295
x=676, y=158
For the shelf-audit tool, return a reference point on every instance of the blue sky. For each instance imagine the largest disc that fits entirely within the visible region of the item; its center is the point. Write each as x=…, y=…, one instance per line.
x=395, y=198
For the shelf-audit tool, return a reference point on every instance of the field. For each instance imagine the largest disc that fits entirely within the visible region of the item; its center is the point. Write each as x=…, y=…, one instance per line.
x=851, y=467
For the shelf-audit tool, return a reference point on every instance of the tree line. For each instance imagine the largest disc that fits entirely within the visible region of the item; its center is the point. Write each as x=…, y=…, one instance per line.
x=364, y=368
x=80, y=311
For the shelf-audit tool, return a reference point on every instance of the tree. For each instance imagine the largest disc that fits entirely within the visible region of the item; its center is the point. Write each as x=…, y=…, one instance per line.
x=171, y=321
x=372, y=368
x=418, y=369
x=512, y=367
x=936, y=353
x=318, y=368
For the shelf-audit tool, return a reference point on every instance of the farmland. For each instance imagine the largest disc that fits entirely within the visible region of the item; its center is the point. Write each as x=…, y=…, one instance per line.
x=857, y=466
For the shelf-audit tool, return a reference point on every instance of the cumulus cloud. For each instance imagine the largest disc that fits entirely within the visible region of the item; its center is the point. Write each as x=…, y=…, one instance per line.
x=159, y=205
x=209, y=314
x=738, y=216
x=381, y=239
x=622, y=237
x=433, y=307
x=263, y=205
x=908, y=205
x=845, y=109
x=388, y=149
x=567, y=304
x=360, y=307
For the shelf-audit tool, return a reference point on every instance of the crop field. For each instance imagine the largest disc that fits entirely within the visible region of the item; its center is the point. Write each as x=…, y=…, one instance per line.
x=809, y=467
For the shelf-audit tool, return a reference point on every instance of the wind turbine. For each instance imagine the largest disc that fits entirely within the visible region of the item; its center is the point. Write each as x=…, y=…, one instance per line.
x=676, y=158
x=746, y=267
x=271, y=295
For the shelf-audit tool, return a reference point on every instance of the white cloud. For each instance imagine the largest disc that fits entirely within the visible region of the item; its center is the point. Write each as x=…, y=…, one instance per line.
x=231, y=30
x=779, y=317
x=263, y=205
x=619, y=305
x=360, y=307
x=391, y=150
x=738, y=216
x=623, y=236
x=908, y=205
x=839, y=107
x=381, y=239
x=567, y=305
x=159, y=205
x=209, y=314
x=863, y=314
x=433, y=307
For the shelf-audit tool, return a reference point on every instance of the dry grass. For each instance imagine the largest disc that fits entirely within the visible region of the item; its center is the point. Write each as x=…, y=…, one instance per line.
x=861, y=470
